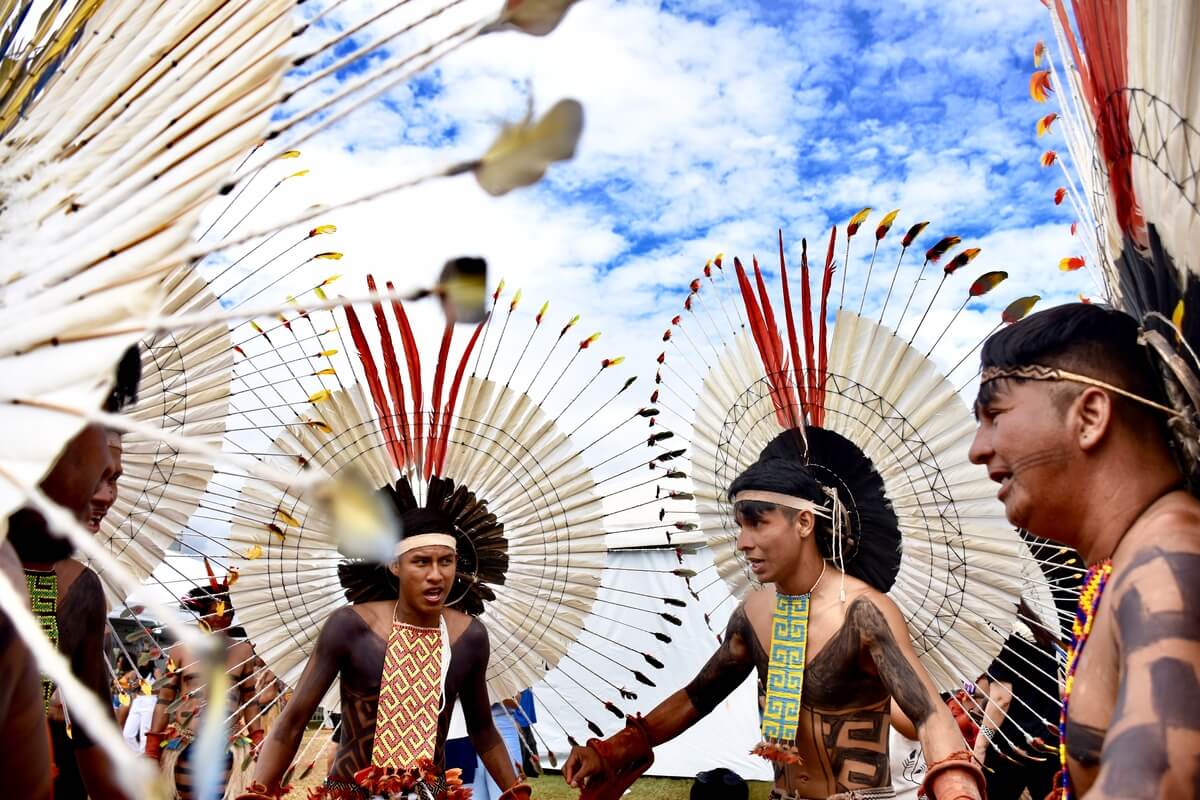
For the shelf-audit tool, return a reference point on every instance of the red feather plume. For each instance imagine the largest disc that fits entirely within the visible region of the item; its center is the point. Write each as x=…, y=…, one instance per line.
x=823, y=364
x=412, y=355
x=793, y=343
x=443, y=436
x=439, y=378
x=386, y=420
x=391, y=369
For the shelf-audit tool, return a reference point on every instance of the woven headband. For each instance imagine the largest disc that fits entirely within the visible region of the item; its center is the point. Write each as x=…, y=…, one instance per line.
x=785, y=500
x=425, y=540
x=1038, y=372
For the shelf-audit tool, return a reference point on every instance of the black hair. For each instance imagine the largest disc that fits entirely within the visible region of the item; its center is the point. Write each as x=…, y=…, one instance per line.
x=871, y=540
x=719, y=784
x=1085, y=338
x=128, y=376
x=781, y=475
x=205, y=597
x=416, y=521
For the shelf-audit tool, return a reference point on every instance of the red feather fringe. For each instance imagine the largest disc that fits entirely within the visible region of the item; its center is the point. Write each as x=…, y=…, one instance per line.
x=794, y=345
x=392, y=367
x=439, y=378
x=1103, y=76
x=444, y=434
x=386, y=421
x=823, y=366
x=412, y=355
x=762, y=336
x=809, y=344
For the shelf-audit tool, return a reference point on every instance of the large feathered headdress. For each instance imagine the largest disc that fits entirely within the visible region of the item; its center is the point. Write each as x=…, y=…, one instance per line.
x=875, y=419
x=1128, y=98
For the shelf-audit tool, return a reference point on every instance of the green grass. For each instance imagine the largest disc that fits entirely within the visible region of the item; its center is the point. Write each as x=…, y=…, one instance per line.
x=552, y=787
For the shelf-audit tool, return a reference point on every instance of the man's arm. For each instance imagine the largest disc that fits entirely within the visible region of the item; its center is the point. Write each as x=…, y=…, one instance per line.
x=477, y=712
x=168, y=690
x=994, y=713
x=1150, y=748
x=81, y=630
x=251, y=714
x=716, y=680
x=283, y=741
x=883, y=632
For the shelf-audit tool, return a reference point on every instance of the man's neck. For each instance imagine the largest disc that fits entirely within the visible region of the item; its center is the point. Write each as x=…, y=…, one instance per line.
x=420, y=619
x=1115, y=507
x=804, y=578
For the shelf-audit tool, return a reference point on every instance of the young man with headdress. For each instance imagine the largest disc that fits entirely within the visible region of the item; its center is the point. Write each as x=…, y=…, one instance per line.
x=173, y=730
x=67, y=596
x=402, y=663
x=1074, y=426
x=831, y=650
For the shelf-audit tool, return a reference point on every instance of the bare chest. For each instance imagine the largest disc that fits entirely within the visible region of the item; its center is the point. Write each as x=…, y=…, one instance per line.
x=1092, y=700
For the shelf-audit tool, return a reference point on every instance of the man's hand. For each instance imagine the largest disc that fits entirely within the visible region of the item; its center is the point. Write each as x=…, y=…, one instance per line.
x=583, y=763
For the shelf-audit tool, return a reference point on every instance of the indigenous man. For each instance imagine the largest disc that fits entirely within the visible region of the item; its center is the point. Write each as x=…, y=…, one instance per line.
x=831, y=650
x=1072, y=425
x=171, y=732
x=67, y=596
x=395, y=718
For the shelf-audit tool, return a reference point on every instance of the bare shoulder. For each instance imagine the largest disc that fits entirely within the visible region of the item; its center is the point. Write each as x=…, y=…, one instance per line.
x=355, y=616
x=1162, y=552
x=10, y=564
x=456, y=622
x=759, y=601
x=68, y=571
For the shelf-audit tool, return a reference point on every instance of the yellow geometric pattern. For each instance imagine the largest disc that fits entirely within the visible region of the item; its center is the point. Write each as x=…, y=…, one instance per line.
x=409, y=696
x=785, y=668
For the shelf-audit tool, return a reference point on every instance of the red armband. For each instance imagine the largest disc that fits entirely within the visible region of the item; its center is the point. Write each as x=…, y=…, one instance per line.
x=958, y=760
x=521, y=790
x=154, y=744
x=626, y=755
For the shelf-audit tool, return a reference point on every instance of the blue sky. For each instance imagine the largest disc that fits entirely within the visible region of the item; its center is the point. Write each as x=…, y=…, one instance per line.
x=709, y=126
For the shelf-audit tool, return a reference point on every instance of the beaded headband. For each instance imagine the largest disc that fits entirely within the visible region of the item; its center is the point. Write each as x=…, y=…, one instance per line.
x=1039, y=372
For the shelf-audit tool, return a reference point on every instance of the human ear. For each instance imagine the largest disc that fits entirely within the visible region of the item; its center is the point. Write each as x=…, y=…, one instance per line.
x=394, y=568
x=1093, y=411
x=804, y=523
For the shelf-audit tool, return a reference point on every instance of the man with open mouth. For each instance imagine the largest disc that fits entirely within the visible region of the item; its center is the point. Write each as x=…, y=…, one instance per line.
x=402, y=661
x=1076, y=428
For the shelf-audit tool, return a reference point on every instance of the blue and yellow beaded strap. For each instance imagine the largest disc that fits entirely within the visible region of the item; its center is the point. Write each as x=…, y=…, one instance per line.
x=43, y=595
x=785, y=676
x=1085, y=616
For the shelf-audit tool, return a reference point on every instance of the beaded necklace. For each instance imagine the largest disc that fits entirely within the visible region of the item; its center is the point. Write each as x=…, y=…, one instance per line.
x=1085, y=614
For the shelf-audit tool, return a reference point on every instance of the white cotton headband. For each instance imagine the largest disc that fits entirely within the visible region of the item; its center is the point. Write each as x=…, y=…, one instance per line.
x=785, y=500
x=425, y=540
